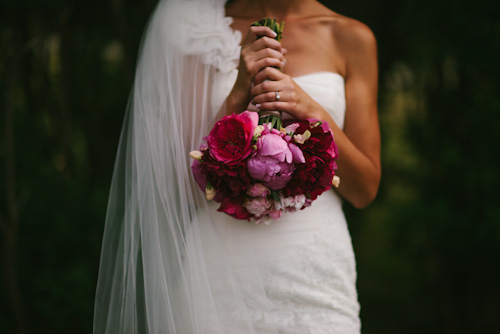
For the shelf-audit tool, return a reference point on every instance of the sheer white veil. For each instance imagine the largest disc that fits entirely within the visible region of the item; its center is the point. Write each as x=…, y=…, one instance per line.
x=161, y=251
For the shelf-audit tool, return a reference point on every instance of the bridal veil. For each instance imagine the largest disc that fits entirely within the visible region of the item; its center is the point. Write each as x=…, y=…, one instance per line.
x=153, y=275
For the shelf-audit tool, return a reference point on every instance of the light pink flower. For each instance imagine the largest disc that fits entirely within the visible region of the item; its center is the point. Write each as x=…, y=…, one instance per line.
x=291, y=128
x=258, y=190
x=275, y=214
x=258, y=206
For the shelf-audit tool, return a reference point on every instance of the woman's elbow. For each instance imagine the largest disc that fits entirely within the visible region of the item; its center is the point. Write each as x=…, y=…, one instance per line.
x=366, y=195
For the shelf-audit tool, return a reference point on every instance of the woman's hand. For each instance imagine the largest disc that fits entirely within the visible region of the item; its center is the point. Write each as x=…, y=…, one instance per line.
x=271, y=83
x=259, y=50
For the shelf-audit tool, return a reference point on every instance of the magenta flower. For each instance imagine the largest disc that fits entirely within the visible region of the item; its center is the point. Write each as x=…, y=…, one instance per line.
x=200, y=178
x=230, y=140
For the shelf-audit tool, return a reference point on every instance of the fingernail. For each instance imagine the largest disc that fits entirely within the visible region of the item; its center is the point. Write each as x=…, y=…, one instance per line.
x=257, y=106
x=274, y=33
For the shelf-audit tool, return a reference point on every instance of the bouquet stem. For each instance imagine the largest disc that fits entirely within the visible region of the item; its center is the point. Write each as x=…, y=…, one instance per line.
x=273, y=117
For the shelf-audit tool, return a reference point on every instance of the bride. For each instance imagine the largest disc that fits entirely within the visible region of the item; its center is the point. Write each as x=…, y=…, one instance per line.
x=170, y=262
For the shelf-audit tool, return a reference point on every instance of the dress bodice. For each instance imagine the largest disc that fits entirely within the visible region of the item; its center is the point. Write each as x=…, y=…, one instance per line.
x=326, y=88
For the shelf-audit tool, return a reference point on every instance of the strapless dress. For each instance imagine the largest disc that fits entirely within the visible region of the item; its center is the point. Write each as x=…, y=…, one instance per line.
x=304, y=261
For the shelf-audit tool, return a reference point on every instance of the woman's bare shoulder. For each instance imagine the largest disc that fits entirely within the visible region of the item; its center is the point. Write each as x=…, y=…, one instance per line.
x=352, y=35
x=345, y=30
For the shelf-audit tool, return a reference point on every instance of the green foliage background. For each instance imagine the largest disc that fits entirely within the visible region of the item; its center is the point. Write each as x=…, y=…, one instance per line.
x=428, y=249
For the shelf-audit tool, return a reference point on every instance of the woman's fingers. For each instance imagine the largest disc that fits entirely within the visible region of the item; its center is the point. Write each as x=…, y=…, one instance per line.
x=275, y=95
x=270, y=97
x=255, y=32
x=274, y=90
x=288, y=107
x=266, y=87
x=266, y=62
x=259, y=51
x=269, y=53
x=268, y=73
x=265, y=43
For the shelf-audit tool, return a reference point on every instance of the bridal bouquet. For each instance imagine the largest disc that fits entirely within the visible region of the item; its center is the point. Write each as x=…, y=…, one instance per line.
x=257, y=169
x=257, y=172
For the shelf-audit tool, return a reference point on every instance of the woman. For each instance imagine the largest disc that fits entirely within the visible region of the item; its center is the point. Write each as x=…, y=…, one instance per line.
x=170, y=262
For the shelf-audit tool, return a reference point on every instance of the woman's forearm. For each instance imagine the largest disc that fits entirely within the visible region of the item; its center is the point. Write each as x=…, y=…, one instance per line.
x=359, y=173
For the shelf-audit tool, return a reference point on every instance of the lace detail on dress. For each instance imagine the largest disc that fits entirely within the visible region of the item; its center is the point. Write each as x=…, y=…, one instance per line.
x=318, y=294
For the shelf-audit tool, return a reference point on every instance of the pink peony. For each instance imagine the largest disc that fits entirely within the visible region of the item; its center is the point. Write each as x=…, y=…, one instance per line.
x=298, y=156
x=230, y=140
x=273, y=146
x=273, y=160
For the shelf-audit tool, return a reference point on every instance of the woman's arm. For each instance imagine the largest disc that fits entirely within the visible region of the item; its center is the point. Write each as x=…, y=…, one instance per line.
x=359, y=142
x=359, y=163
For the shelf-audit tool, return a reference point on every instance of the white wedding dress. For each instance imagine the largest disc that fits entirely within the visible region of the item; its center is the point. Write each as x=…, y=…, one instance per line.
x=305, y=259
x=172, y=264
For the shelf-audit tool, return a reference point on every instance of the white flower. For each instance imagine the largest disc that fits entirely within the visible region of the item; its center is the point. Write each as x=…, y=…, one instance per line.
x=287, y=202
x=258, y=131
x=300, y=139
x=299, y=201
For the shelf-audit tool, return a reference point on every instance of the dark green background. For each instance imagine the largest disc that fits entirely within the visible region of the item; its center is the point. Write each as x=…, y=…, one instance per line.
x=428, y=248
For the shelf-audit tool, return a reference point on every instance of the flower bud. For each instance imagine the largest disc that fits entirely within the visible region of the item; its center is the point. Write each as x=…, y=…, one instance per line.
x=210, y=192
x=196, y=155
x=336, y=181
